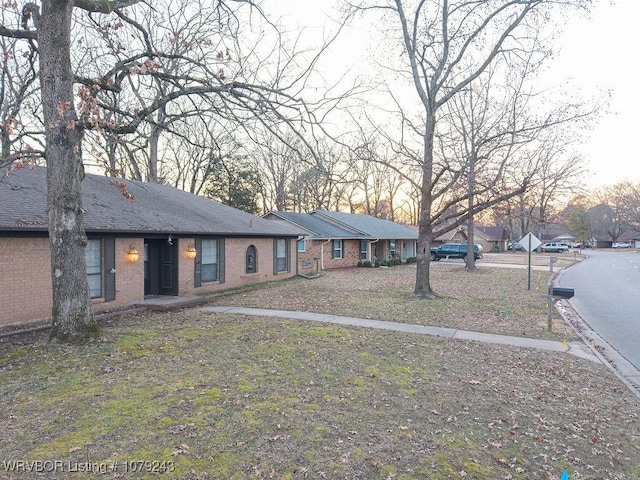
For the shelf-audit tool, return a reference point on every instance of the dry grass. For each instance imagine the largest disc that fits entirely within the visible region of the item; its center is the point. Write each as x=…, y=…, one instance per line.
x=218, y=396
x=487, y=299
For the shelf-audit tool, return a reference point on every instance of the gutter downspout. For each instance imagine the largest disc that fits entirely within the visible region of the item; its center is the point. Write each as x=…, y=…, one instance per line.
x=322, y=254
x=300, y=237
x=371, y=242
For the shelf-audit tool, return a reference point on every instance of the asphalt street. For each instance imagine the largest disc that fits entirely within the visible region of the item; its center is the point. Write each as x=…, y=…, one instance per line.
x=607, y=297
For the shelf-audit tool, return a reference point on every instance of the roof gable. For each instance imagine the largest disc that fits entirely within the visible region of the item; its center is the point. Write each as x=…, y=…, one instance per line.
x=492, y=233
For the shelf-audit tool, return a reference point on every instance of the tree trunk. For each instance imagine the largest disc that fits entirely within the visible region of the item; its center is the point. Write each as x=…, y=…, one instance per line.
x=425, y=232
x=471, y=259
x=73, y=319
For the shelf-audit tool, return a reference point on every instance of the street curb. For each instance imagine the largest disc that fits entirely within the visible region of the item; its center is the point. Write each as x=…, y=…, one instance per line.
x=609, y=356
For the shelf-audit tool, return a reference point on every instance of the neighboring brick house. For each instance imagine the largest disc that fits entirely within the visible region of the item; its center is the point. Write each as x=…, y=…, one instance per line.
x=492, y=239
x=631, y=236
x=336, y=239
x=185, y=244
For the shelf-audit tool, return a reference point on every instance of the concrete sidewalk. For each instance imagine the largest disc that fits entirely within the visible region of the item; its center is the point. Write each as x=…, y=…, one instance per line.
x=578, y=349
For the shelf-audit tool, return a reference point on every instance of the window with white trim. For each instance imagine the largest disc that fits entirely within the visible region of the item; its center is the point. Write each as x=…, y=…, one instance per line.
x=302, y=245
x=281, y=256
x=364, y=249
x=209, y=260
x=336, y=248
x=93, y=257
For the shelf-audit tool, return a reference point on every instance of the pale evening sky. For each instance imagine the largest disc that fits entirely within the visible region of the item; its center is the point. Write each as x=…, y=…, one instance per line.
x=598, y=53
x=602, y=52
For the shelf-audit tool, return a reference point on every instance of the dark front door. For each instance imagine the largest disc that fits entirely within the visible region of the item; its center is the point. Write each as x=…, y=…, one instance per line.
x=160, y=267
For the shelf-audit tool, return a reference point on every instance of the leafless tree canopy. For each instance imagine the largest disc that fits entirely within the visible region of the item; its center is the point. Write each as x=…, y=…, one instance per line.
x=217, y=98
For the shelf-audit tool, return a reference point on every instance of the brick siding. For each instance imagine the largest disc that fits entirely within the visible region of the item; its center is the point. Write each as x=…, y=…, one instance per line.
x=25, y=279
x=235, y=265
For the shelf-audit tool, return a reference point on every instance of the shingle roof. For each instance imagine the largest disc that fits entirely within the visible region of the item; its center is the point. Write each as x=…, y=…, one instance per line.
x=318, y=227
x=629, y=236
x=370, y=226
x=493, y=233
x=155, y=208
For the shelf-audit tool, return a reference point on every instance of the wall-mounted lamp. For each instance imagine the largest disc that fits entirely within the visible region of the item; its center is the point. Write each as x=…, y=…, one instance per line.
x=191, y=252
x=132, y=254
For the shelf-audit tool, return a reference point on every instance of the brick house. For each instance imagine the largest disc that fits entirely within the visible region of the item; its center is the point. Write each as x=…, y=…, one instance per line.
x=163, y=242
x=336, y=239
x=631, y=236
x=492, y=239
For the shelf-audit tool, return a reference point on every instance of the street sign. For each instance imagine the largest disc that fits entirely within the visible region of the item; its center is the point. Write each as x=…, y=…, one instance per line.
x=530, y=242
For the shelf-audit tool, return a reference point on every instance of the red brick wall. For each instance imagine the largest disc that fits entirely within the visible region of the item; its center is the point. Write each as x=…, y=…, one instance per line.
x=316, y=248
x=25, y=280
x=235, y=266
x=129, y=276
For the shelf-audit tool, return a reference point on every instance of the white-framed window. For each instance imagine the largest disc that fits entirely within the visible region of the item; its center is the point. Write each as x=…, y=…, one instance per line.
x=93, y=257
x=364, y=249
x=302, y=245
x=281, y=257
x=209, y=260
x=336, y=249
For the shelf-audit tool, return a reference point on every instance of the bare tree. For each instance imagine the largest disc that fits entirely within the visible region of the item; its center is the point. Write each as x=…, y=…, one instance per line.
x=618, y=209
x=267, y=95
x=495, y=133
x=578, y=220
x=558, y=177
x=276, y=164
x=446, y=47
x=19, y=107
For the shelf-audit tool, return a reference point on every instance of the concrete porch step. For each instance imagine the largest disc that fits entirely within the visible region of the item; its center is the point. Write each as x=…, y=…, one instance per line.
x=169, y=302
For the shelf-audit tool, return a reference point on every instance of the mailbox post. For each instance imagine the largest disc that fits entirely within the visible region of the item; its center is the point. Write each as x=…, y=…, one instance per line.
x=555, y=294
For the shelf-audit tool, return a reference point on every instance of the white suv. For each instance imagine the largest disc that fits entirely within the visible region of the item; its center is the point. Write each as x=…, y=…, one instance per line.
x=621, y=245
x=555, y=247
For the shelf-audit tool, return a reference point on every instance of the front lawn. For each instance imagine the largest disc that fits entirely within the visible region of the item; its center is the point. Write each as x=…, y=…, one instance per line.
x=195, y=395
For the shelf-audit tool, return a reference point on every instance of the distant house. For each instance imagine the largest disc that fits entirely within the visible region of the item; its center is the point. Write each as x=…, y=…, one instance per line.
x=600, y=241
x=565, y=238
x=163, y=242
x=631, y=236
x=492, y=239
x=336, y=239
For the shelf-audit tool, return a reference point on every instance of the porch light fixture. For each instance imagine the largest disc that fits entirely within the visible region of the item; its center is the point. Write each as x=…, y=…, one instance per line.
x=132, y=254
x=191, y=252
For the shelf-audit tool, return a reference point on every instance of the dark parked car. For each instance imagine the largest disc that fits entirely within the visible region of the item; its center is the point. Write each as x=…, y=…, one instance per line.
x=454, y=250
x=516, y=247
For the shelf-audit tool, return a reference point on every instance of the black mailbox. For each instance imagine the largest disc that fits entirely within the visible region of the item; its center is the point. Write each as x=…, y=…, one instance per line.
x=562, y=292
